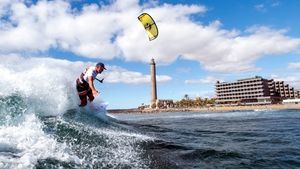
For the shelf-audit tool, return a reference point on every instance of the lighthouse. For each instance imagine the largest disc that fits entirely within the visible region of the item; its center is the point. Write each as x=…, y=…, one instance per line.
x=153, y=84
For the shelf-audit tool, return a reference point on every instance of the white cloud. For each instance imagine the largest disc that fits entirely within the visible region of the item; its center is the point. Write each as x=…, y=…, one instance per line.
x=112, y=30
x=294, y=65
x=121, y=75
x=275, y=4
x=264, y=7
x=207, y=80
x=51, y=24
x=260, y=7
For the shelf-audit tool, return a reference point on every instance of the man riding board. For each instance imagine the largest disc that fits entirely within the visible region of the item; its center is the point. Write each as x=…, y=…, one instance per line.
x=85, y=83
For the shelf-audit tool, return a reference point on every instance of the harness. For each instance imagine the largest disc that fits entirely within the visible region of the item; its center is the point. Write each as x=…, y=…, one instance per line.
x=80, y=81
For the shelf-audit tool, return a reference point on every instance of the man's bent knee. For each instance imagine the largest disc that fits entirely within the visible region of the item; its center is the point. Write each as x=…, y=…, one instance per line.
x=83, y=103
x=91, y=97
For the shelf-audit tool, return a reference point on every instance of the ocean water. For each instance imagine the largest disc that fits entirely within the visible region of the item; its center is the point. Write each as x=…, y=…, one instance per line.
x=240, y=139
x=41, y=127
x=85, y=139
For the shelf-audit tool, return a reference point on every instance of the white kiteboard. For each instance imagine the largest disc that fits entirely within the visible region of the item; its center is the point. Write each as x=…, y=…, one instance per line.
x=97, y=108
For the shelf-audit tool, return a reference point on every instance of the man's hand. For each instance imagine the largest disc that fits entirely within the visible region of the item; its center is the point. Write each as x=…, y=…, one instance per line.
x=95, y=92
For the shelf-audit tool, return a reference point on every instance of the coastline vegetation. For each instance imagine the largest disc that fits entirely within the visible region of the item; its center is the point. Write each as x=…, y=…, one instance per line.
x=187, y=102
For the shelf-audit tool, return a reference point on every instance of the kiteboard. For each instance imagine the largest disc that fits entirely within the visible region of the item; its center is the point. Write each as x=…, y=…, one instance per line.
x=96, y=108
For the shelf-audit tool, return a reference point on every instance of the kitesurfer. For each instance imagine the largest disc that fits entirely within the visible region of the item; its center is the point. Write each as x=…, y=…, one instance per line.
x=85, y=83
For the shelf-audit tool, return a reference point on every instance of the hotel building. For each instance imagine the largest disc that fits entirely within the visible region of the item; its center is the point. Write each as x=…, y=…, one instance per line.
x=251, y=91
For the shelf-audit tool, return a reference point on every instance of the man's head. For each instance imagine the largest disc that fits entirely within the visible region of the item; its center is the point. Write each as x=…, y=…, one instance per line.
x=100, y=67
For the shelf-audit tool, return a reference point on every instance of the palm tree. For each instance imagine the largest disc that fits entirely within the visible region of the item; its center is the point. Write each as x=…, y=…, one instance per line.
x=198, y=102
x=186, y=97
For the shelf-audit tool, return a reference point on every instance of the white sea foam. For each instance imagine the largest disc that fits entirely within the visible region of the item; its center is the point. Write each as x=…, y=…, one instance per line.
x=124, y=147
x=48, y=85
x=120, y=147
x=47, y=88
x=23, y=145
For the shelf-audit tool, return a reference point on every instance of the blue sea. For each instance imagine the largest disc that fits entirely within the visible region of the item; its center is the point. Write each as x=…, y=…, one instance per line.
x=81, y=138
x=240, y=139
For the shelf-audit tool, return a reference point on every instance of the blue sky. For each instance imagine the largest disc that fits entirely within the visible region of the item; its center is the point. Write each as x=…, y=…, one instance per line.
x=200, y=41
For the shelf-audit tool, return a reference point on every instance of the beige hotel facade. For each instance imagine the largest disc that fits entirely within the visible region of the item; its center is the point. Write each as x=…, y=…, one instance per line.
x=254, y=91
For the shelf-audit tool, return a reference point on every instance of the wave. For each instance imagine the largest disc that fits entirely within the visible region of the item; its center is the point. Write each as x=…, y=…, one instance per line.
x=47, y=85
x=77, y=139
x=41, y=125
x=99, y=144
x=27, y=142
x=11, y=109
x=29, y=89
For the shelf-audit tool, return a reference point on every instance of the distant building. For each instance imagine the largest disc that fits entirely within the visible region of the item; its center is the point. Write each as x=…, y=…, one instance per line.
x=165, y=104
x=284, y=91
x=255, y=90
x=291, y=101
x=160, y=104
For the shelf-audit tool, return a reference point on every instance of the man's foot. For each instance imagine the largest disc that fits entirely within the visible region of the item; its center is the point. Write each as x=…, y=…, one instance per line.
x=82, y=105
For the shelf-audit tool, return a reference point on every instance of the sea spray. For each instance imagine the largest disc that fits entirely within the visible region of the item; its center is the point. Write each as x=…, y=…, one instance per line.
x=42, y=126
x=46, y=84
x=12, y=109
x=32, y=88
x=97, y=143
x=26, y=143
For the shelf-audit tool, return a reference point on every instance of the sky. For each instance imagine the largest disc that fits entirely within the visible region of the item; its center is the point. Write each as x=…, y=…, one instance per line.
x=199, y=42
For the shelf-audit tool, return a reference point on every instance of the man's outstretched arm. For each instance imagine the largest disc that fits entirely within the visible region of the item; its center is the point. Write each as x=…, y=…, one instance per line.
x=91, y=84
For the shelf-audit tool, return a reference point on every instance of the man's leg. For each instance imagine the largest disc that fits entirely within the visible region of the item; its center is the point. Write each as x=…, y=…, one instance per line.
x=83, y=99
x=82, y=90
x=90, y=95
x=83, y=102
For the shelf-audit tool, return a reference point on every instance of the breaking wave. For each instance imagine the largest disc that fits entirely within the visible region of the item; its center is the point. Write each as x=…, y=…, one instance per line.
x=41, y=125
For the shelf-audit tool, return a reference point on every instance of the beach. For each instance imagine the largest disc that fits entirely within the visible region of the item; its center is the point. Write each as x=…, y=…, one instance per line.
x=211, y=109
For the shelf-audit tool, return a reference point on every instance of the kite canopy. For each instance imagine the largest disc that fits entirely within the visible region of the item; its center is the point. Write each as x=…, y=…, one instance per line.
x=149, y=25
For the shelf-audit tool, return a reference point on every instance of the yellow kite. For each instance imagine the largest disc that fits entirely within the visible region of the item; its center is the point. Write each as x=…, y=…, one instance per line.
x=149, y=25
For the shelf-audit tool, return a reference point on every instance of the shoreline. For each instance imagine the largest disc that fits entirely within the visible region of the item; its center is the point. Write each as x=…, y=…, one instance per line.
x=210, y=109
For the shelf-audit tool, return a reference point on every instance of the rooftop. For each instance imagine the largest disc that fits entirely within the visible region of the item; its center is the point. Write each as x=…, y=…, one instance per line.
x=241, y=80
